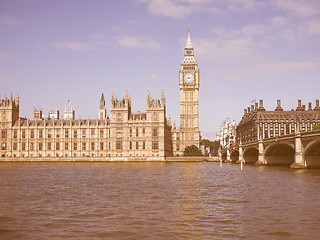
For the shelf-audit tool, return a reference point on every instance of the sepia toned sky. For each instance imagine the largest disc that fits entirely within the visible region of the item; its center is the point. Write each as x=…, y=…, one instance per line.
x=55, y=51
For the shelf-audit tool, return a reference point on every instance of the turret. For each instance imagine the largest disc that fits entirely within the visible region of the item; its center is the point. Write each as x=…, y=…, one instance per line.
x=9, y=109
x=156, y=109
x=120, y=109
x=102, y=108
x=317, y=105
x=279, y=108
x=37, y=114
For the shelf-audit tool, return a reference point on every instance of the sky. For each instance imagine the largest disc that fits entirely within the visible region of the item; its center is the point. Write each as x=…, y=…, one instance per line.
x=55, y=51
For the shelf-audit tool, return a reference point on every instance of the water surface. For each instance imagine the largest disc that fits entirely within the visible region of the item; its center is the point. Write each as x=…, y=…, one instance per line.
x=196, y=200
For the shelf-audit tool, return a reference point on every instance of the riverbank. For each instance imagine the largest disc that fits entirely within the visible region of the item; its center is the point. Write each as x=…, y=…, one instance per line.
x=113, y=159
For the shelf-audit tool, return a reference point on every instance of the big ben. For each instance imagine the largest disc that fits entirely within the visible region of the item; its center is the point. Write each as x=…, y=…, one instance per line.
x=189, y=97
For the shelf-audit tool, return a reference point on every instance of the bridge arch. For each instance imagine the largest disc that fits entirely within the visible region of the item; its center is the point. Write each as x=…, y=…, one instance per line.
x=250, y=155
x=280, y=154
x=312, y=154
x=234, y=156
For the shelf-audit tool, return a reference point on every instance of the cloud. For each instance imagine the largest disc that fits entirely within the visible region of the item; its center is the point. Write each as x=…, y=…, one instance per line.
x=100, y=39
x=157, y=78
x=313, y=27
x=74, y=46
x=299, y=7
x=264, y=69
x=252, y=40
x=138, y=42
x=2, y=55
x=179, y=9
x=7, y=20
x=225, y=49
x=243, y=5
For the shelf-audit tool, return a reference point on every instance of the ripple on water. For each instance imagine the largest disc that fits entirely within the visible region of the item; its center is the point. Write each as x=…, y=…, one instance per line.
x=157, y=201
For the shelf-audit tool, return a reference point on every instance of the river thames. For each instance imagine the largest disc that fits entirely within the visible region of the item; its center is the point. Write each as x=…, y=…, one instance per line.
x=196, y=200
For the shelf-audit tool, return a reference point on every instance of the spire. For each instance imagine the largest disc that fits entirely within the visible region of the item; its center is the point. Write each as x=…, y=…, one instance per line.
x=163, y=98
x=189, y=44
x=102, y=101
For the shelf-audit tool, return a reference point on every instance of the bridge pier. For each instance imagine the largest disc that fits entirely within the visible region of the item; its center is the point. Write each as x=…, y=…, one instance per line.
x=240, y=154
x=261, y=156
x=299, y=161
x=228, y=160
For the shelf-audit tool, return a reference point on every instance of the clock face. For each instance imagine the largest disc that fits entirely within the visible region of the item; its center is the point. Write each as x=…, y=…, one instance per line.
x=188, y=77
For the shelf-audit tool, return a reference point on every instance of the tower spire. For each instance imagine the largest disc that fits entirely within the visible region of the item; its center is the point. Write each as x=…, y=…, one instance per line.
x=189, y=44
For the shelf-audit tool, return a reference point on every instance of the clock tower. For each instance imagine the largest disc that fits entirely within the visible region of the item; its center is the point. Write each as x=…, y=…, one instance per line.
x=189, y=98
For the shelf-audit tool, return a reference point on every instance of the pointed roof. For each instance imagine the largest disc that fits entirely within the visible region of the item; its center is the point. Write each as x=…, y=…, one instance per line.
x=188, y=43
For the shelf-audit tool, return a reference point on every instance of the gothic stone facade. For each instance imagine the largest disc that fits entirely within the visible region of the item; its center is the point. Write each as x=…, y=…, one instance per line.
x=122, y=136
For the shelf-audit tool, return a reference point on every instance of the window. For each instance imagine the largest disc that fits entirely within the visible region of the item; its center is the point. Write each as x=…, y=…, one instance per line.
x=31, y=146
x=92, y=146
x=57, y=146
x=3, y=134
x=155, y=145
x=118, y=145
x=40, y=134
x=15, y=146
x=40, y=146
x=49, y=133
x=137, y=132
x=155, y=132
x=155, y=116
x=83, y=133
x=119, y=133
x=66, y=133
x=137, y=145
x=84, y=146
x=75, y=146
x=32, y=134
x=58, y=133
x=101, y=146
x=143, y=131
x=15, y=134
x=130, y=132
x=23, y=133
x=130, y=145
x=143, y=145
x=49, y=146
x=23, y=146
x=3, y=146
x=66, y=146
x=101, y=133
x=93, y=132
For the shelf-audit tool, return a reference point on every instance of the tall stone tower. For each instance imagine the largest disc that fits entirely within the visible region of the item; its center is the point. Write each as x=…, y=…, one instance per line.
x=102, y=108
x=189, y=97
x=9, y=114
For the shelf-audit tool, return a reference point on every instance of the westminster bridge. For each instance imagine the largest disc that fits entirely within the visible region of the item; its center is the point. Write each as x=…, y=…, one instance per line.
x=298, y=150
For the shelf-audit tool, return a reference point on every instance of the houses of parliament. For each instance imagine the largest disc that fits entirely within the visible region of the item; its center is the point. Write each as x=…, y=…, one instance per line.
x=122, y=135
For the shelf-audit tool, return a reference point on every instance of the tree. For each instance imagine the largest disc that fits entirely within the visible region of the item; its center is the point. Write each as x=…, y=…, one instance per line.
x=214, y=146
x=192, y=151
x=316, y=127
